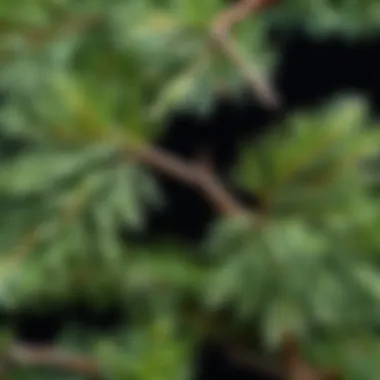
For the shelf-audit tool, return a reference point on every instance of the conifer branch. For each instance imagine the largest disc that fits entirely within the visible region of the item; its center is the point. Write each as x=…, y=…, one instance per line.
x=198, y=174
x=260, y=87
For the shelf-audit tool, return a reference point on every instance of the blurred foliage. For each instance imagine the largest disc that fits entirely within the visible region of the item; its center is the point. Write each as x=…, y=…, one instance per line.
x=87, y=79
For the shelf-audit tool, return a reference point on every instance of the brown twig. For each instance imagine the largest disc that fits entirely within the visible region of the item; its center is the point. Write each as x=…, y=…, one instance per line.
x=49, y=356
x=260, y=86
x=292, y=366
x=195, y=175
x=296, y=366
x=250, y=361
x=46, y=356
x=38, y=37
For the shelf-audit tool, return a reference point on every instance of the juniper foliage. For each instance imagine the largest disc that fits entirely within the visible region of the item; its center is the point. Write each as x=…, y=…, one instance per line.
x=89, y=86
